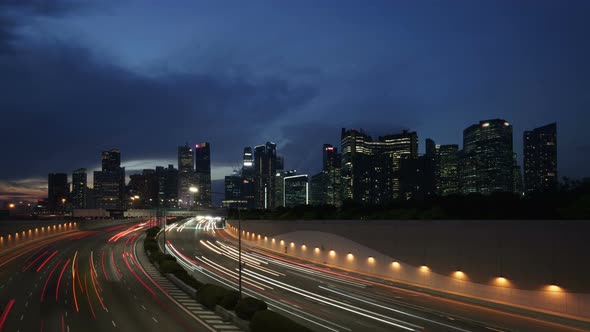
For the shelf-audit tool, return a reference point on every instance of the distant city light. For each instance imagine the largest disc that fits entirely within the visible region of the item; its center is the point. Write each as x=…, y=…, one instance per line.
x=487, y=124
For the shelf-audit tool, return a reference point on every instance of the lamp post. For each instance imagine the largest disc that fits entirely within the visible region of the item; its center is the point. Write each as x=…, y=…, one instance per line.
x=239, y=249
x=194, y=190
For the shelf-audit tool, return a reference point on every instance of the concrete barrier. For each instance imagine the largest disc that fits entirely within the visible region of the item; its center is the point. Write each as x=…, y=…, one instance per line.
x=343, y=253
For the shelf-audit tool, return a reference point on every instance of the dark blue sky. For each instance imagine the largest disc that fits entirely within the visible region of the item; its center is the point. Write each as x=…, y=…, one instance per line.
x=78, y=77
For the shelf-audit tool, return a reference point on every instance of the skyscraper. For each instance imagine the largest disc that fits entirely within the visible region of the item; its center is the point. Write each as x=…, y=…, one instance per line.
x=296, y=190
x=416, y=177
x=233, y=192
x=540, y=159
x=265, y=160
x=248, y=187
x=167, y=186
x=326, y=185
x=186, y=177
x=280, y=186
x=447, y=169
x=487, y=164
x=109, y=183
x=203, y=174
x=79, y=188
x=57, y=191
x=370, y=169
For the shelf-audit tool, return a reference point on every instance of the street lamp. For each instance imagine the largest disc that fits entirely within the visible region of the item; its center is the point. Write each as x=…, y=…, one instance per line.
x=194, y=190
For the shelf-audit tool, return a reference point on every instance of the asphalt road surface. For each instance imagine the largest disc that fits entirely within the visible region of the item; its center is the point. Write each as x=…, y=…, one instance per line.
x=84, y=281
x=327, y=299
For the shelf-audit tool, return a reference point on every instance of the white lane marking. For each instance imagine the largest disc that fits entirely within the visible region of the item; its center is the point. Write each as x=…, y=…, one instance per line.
x=115, y=325
x=68, y=328
x=143, y=307
x=22, y=316
x=66, y=314
x=27, y=304
x=155, y=320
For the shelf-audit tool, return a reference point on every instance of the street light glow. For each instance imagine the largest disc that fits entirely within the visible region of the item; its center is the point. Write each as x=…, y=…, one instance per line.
x=193, y=189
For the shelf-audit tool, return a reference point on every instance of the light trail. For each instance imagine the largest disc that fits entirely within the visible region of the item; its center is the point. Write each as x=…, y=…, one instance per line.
x=74, y=281
x=46, y=260
x=47, y=281
x=335, y=303
x=59, y=280
x=391, y=309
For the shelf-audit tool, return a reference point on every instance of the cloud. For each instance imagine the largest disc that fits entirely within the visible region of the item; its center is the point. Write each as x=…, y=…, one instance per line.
x=63, y=105
x=24, y=189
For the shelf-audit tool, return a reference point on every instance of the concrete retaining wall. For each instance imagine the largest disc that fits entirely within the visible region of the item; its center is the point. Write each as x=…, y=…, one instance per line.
x=323, y=246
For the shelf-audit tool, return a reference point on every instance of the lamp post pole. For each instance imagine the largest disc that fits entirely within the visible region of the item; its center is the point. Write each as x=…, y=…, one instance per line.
x=239, y=249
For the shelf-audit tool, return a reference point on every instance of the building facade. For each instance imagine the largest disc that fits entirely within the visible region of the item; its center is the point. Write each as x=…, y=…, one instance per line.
x=203, y=174
x=447, y=169
x=487, y=163
x=265, y=167
x=79, y=188
x=370, y=168
x=296, y=190
x=186, y=177
x=57, y=192
x=540, y=159
x=109, y=183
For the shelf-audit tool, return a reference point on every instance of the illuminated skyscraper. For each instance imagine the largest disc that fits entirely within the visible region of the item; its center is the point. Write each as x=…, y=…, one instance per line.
x=186, y=177
x=447, y=169
x=296, y=190
x=248, y=187
x=280, y=186
x=203, y=174
x=370, y=169
x=326, y=186
x=109, y=183
x=79, y=188
x=265, y=160
x=540, y=159
x=487, y=162
x=57, y=191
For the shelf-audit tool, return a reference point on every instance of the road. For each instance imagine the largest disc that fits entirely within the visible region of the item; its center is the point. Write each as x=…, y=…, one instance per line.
x=327, y=299
x=86, y=280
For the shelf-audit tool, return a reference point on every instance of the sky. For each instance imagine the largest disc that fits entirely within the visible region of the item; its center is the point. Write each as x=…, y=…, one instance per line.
x=141, y=76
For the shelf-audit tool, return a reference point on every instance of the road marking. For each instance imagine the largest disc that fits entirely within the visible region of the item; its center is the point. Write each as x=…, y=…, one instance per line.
x=143, y=307
x=155, y=320
x=68, y=328
x=27, y=304
x=66, y=314
x=115, y=325
x=22, y=316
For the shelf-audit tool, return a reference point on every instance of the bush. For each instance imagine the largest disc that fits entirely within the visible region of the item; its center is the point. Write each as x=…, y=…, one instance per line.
x=168, y=266
x=152, y=231
x=268, y=321
x=211, y=295
x=189, y=280
x=247, y=307
x=230, y=300
x=150, y=247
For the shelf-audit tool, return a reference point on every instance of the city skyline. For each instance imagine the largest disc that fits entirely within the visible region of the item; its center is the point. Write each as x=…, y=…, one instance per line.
x=193, y=82
x=219, y=174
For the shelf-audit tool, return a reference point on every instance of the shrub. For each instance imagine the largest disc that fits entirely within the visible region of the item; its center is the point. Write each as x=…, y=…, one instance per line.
x=189, y=280
x=150, y=247
x=230, y=300
x=152, y=231
x=247, y=307
x=168, y=266
x=269, y=321
x=211, y=295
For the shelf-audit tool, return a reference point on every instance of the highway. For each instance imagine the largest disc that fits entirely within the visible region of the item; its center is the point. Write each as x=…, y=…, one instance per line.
x=86, y=280
x=327, y=299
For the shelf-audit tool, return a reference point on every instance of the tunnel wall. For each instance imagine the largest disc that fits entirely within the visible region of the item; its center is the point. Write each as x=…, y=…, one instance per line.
x=535, y=264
